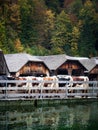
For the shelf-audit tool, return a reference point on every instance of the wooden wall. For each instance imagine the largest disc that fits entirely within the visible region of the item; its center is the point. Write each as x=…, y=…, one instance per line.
x=71, y=68
x=94, y=70
x=34, y=68
x=3, y=66
x=93, y=74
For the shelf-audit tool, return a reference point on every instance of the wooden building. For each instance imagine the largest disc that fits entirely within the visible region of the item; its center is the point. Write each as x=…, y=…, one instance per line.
x=3, y=66
x=22, y=64
x=92, y=68
x=65, y=65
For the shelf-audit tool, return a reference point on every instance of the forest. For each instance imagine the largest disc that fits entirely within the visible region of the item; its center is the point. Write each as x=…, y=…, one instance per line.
x=48, y=27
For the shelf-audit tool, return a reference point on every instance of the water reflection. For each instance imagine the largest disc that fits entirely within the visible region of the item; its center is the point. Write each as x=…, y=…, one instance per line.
x=66, y=117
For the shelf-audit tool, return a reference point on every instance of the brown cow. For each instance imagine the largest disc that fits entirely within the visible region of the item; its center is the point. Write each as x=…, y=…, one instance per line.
x=80, y=82
x=26, y=86
x=50, y=82
x=37, y=83
x=73, y=81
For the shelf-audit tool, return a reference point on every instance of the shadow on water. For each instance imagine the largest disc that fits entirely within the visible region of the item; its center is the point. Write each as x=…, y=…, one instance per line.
x=54, y=117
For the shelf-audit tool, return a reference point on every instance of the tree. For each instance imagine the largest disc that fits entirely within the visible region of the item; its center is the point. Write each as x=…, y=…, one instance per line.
x=2, y=36
x=74, y=40
x=54, y=5
x=48, y=27
x=62, y=34
x=10, y=24
x=18, y=45
x=28, y=33
x=87, y=39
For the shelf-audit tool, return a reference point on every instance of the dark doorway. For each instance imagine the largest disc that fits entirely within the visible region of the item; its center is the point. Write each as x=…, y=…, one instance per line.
x=76, y=72
x=62, y=72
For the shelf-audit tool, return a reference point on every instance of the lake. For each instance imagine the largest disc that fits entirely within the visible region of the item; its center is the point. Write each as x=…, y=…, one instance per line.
x=73, y=116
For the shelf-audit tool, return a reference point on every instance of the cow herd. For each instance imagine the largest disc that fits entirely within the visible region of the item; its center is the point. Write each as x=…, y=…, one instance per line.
x=54, y=83
x=51, y=84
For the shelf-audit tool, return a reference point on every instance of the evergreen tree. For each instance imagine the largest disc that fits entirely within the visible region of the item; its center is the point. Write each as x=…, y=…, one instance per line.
x=62, y=34
x=74, y=40
x=43, y=27
x=27, y=34
x=87, y=40
x=54, y=5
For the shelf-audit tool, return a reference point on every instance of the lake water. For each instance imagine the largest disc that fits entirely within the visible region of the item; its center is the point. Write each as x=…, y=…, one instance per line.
x=75, y=116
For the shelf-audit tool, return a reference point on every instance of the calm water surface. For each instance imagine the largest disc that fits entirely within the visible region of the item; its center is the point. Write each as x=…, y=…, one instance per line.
x=56, y=117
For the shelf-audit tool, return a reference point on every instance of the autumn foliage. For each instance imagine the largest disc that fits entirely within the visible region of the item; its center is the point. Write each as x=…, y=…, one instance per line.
x=45, y=27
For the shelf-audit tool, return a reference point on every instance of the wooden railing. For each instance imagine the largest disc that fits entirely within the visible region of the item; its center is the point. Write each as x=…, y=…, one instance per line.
x=9, y=90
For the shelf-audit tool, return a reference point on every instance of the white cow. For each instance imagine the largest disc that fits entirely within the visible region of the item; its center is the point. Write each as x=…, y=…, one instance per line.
x=25, y=83
x=50, y=82
x=74, y=81
x=82, y=82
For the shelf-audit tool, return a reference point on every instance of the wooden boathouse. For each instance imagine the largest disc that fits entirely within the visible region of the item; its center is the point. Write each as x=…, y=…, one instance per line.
x=92, y=68
x=25, y=64
x=65, y=65
x=69, y=65
x=22, y=64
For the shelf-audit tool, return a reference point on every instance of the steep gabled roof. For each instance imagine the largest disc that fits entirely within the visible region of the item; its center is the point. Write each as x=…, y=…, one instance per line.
x=3, y=65
x=55, y=61
x=89, y=64
x=16, y=61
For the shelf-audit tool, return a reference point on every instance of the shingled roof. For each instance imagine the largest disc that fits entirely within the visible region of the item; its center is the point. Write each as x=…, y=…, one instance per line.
x=16, y=61
x=55, y=61
x=91, y=63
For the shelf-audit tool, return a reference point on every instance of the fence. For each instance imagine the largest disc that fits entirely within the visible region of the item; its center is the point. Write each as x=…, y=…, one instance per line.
x=10, y=90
